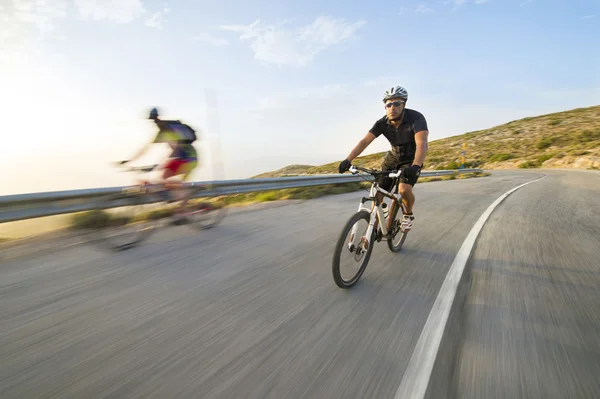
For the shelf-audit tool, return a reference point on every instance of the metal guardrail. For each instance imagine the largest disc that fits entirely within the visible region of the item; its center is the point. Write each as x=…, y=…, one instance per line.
x=35, y=205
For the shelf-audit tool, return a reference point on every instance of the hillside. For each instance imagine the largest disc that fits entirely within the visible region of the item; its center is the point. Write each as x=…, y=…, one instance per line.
x=568, y=139
x=288, y=170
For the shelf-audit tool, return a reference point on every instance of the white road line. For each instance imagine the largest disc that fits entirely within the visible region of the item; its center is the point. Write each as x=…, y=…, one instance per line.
x=416, y=378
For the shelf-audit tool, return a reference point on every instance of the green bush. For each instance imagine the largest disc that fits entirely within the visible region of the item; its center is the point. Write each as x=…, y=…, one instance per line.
x=544, y=157
x=545, y=143
x=156, y=214
x=528, y=165
x=500, y=157
x=589, y=135
x=577, y=152
x=267, y=196
x=90, y=219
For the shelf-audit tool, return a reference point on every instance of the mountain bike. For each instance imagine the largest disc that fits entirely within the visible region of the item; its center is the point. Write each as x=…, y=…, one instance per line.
x=139, y=209
x=381, y=225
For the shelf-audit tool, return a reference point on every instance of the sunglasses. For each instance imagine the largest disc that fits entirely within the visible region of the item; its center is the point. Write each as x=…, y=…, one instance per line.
x=394, y=104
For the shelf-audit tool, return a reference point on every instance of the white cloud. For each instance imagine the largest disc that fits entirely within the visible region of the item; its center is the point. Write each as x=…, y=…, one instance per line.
x=22, y=20
x=157, y=19
x=119, y=11
x=41, y=14
x=422, y=8
x=275, y=44
x=19, y=18
x=588, y=16
x=210, y=39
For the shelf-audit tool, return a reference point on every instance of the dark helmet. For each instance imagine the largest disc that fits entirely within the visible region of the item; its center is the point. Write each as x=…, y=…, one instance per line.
x=153, y=114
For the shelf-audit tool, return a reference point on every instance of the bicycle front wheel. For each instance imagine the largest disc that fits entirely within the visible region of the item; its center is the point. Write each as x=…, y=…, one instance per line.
x=203, y=215
x=353, y=245
x=205, y=212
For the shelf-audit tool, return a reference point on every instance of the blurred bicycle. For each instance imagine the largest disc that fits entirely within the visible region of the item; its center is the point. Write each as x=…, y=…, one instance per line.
x=121, y=221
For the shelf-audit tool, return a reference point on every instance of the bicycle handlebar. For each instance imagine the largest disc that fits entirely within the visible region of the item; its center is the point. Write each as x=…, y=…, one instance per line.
x=148, y=168
x=391, y=173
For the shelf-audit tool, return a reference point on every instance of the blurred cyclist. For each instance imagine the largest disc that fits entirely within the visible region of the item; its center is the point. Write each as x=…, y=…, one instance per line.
x=182, y=160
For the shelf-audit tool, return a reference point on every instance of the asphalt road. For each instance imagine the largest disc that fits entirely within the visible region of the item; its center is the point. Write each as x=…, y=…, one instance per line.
x=249, y=309
x=533, y=313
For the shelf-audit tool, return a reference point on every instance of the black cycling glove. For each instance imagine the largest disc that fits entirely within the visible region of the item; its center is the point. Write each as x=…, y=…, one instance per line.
x=344, y=166
x=413, y=171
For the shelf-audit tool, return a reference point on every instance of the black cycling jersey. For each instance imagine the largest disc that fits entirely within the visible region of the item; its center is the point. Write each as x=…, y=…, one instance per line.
x=402, y=138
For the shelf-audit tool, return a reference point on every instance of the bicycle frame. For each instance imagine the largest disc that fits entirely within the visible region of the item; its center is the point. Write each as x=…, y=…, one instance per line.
x=377, y=216
x=147, y=186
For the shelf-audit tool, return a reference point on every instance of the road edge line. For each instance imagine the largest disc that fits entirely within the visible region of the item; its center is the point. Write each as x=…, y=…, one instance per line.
x=415, y=380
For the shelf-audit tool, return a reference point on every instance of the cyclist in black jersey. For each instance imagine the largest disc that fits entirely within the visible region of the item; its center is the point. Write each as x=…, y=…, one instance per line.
x=406, y=130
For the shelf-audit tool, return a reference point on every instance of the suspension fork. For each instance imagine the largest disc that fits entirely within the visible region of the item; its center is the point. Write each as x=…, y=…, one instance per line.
x=361, y=207
x=374, y=211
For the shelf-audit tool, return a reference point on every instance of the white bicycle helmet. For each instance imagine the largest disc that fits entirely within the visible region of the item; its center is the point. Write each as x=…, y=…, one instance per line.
x=395, y=92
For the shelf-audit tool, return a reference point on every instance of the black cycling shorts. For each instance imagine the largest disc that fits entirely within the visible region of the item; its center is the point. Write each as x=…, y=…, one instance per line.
x=392, y=162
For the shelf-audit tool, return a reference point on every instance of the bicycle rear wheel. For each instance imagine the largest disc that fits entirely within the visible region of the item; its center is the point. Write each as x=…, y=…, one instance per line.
x=359, y=246
x=124, y=220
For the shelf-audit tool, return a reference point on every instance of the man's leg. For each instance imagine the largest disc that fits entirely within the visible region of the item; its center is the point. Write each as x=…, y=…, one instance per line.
x=169, y=170
x=185, y=170
x=408, y=196
x=173, y=168
x=405, y=188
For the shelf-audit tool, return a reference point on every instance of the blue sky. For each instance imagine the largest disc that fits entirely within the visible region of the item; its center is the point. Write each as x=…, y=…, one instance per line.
x=297, y=82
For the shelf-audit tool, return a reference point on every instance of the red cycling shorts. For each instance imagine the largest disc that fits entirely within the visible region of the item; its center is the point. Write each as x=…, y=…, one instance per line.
x=180, y=166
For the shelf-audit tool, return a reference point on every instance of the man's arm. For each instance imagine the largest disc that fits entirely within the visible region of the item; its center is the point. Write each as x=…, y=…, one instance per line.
x=146, y=146
x=360, y=147
x=141, y=152
x=421, y=140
